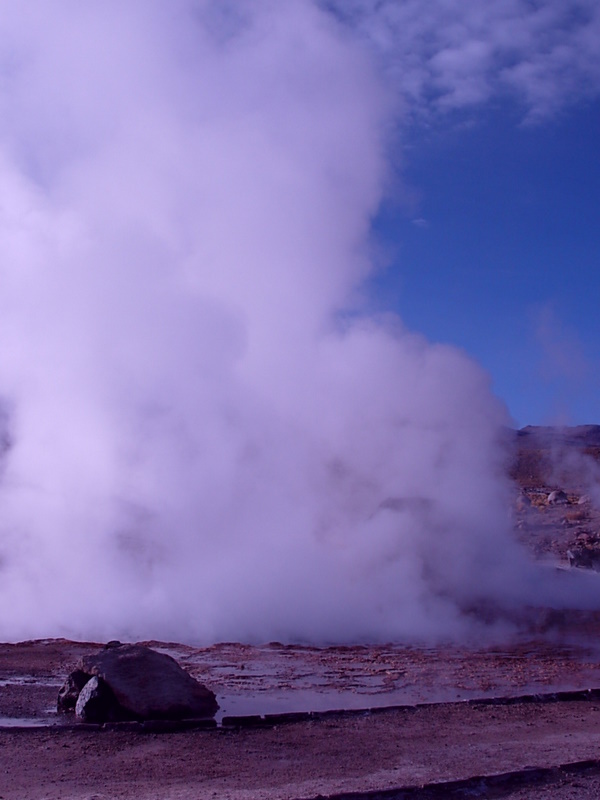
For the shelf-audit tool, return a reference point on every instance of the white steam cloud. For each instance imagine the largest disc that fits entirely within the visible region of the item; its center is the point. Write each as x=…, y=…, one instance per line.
x=203, y=438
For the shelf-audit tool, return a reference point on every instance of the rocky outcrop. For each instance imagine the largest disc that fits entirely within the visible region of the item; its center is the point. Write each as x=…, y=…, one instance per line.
x=131, y=681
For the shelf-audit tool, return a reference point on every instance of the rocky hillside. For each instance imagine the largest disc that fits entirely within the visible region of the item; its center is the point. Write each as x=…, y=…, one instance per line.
x=557, y=510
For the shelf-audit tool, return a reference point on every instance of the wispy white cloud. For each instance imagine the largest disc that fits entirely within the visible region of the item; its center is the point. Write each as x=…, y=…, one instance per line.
x=448, y=55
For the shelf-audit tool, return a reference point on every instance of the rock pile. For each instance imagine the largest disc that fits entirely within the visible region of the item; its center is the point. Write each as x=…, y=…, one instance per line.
x=133, y=682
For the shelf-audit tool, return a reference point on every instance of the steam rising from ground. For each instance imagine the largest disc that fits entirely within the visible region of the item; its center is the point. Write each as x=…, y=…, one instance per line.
x=204, y=438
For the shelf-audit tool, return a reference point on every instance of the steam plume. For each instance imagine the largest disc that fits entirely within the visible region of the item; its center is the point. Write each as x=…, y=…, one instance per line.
x=203, y=437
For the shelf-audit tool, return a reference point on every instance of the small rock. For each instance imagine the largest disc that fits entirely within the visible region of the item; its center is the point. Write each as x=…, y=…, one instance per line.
x=96, y=702
x=558, y=497
x=69, y=691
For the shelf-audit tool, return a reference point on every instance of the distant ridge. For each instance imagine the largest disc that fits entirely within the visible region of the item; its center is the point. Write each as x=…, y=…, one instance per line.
x=544, y=436
x=555, y=457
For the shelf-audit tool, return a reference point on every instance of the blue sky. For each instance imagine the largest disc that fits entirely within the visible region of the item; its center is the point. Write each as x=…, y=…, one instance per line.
x=494, y=246
x=491, y=233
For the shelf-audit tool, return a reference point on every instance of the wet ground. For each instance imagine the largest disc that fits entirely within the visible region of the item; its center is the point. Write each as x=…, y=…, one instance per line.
x=277, y=678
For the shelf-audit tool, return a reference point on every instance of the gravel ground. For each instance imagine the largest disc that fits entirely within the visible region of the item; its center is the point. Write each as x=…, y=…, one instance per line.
x=358, y=753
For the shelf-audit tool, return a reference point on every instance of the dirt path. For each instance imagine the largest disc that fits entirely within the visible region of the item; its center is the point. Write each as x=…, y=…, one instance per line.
x=351, y=753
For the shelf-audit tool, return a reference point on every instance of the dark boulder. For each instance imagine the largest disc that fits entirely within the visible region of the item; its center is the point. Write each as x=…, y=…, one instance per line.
x=143, y=684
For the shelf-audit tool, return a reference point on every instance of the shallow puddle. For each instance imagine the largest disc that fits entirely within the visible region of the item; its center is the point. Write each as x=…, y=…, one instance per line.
x=30, y=722
x=29, y=680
